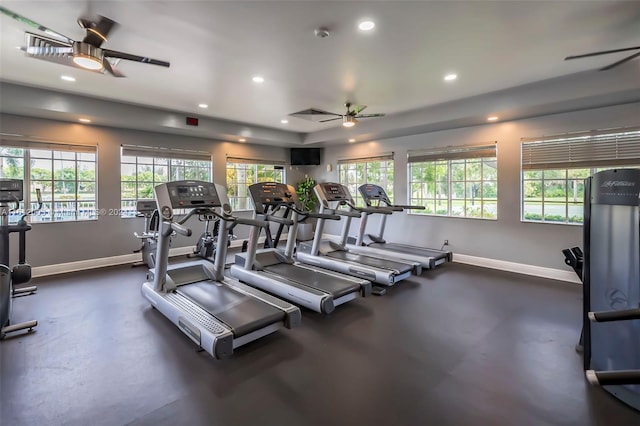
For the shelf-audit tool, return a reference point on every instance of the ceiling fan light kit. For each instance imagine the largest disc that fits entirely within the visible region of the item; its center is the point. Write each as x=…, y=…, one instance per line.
x=348, y=121
x=88, y=56
x=87, y=53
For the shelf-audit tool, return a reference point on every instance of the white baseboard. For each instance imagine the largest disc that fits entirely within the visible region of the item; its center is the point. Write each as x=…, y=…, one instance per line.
x=82, y=265
x=519, y=268
x=503, y=265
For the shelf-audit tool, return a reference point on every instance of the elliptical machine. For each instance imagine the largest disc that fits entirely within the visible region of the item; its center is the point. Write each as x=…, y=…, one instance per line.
x=207, y=243
x=11, y=193
x=148, y=210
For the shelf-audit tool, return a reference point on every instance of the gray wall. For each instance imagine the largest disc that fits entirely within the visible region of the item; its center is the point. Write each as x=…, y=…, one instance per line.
x=52, y=243
x=507, y=238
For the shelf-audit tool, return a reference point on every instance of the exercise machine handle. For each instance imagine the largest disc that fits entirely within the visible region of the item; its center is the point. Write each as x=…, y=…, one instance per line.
x=322, y=216
x=307, y=214
x=608, y=378
x=247, y=221
x=407, y=207
x=278, y=219
x=347, y=213
x=378, y=210
x=182, y=230
x=30, y=212
x=621, y=315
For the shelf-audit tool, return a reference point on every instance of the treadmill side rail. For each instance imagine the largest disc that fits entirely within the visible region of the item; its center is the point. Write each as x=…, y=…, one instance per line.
x=197, y=324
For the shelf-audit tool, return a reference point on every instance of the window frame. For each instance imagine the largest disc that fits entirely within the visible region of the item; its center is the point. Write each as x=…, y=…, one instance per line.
x=387, y=184
x=591, y=151
x=449, y=156
x=27, y=157
x=169, y=156
x=241, y=203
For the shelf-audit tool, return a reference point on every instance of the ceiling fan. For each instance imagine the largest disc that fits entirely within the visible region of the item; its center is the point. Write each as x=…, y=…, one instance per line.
x=86, y=54
x=349, y=119
x=606, y=52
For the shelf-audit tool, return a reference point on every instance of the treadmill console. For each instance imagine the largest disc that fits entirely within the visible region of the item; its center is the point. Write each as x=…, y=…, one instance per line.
x=146, y=206
x=330, y=191
x=267, y=194
x=185, y=194
x=11, y=190
x=370, y=192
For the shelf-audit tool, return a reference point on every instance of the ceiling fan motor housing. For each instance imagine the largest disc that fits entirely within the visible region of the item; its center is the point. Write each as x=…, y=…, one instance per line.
x=88, y=53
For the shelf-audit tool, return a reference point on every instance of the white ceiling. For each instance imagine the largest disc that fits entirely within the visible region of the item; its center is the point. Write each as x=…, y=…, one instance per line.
x=216, y=47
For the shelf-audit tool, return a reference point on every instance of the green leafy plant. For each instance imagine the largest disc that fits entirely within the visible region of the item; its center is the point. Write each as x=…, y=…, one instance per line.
x=307, y=197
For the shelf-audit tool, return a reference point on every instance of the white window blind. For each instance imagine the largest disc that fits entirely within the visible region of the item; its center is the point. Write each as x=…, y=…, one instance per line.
x=240, y=160
x=149, y=151
x=51, y=146
x=619, y=147
x=453, y=153
x=381, y=157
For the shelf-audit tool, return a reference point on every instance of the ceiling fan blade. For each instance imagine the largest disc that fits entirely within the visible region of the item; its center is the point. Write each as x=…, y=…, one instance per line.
x=620, y=62
x=313, y=114
x=136, y=58
x=357, y=109
x=34, y=24
x=330, y=119
x=369, y=115
x=111, y=69
x=604, y=52
x=97, y=32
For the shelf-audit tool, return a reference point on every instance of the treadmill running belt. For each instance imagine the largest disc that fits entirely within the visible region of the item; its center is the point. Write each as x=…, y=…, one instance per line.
x=436, y=254
x=242, y=313
x=370, y=261
x=310, y=278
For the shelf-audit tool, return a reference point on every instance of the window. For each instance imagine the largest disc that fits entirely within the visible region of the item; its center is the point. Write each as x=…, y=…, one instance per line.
x=377, y=170
x=242, y=172
x=142, y=168
x=454, y=181
x=65, y=175
x=554, y=169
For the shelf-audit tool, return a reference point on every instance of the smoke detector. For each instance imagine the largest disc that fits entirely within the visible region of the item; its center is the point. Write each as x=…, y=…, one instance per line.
x=321, y=32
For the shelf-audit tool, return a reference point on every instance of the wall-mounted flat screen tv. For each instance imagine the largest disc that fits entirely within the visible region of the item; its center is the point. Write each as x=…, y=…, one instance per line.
x=305, y=156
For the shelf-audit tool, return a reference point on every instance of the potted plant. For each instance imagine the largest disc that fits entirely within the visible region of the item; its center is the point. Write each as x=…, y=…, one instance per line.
x=308, y=202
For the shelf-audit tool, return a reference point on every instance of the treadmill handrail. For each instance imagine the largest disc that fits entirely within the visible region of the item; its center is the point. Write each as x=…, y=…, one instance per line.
x=380, y=210
x=347, y=213
x=308, y=214
x=182, y=230
x=278, y=219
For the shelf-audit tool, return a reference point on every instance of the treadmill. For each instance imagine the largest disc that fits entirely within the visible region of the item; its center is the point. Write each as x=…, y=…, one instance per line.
x=335, y=255
x=275, y=271
x=218, y=314
x=375, y=197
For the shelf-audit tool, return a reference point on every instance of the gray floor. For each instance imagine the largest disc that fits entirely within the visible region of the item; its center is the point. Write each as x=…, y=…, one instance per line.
x=457, y=346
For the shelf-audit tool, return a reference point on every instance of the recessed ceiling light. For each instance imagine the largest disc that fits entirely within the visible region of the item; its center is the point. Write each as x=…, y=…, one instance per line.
x=284, y=121
x=242, y=140
x=68, y=78
x=258, y=79
x=203, y=105
x=366, y=25
x=450, y=77
x=352, y=140
x=492, y=118
x=84, y=120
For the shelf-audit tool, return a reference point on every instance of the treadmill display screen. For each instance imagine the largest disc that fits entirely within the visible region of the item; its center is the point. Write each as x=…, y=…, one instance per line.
x=182, y=194
x=334, y=191
x=191, y=191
